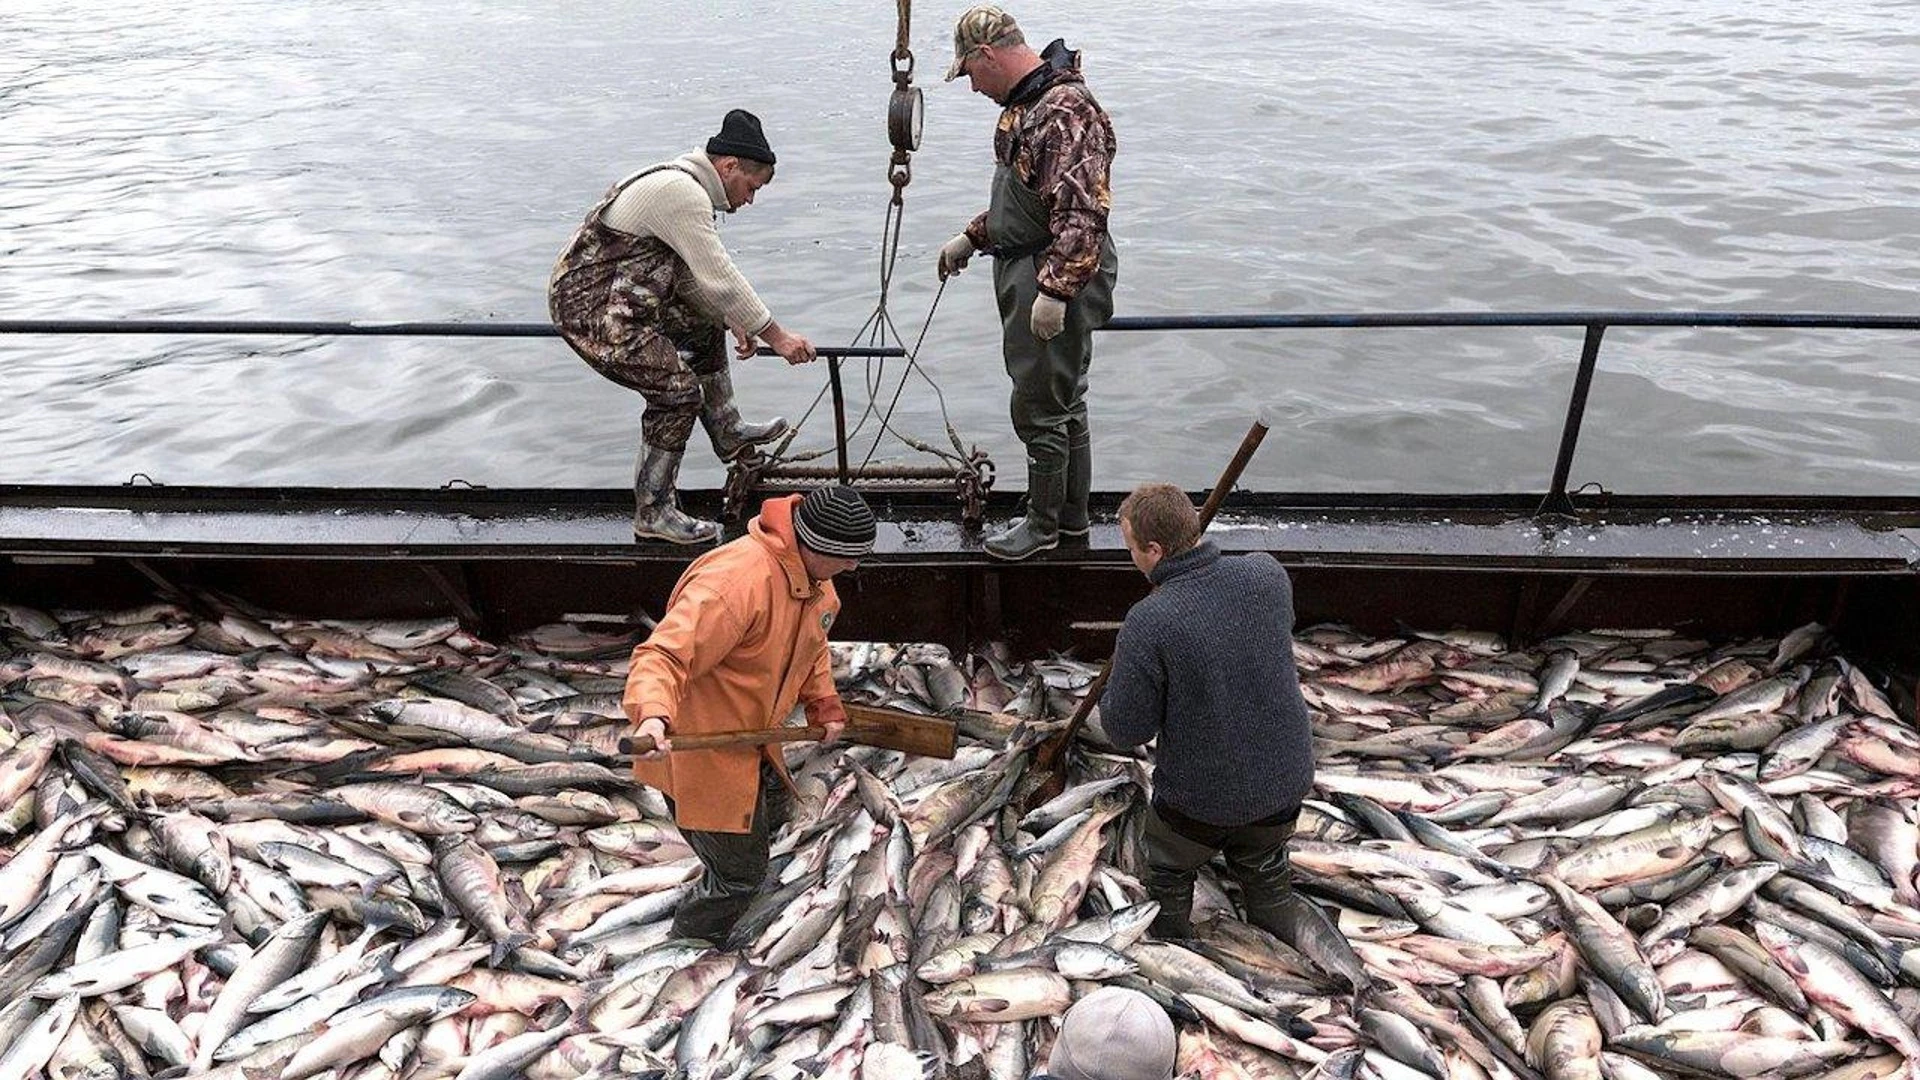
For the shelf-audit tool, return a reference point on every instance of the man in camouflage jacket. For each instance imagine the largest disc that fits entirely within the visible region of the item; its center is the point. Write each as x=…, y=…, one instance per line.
x=1054, y=263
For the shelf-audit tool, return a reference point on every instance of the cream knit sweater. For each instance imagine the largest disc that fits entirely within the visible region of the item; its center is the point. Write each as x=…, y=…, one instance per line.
x=680, y=209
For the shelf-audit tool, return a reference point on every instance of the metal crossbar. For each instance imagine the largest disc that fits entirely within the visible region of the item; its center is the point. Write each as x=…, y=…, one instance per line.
x=1557, y=501
x=284, y=328
x=1771, y=320
x=1595, y=324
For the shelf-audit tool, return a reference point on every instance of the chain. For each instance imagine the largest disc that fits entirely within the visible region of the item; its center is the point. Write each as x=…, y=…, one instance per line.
x=900, y=174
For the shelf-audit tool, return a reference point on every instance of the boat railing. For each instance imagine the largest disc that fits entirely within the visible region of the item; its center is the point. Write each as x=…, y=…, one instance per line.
x=1595, y=323
x=1557, y=499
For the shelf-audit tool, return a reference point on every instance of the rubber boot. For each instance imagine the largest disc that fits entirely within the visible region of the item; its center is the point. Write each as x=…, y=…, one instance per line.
x=1173, y=888
x=656, y=510
x=1039, y=530
x=731, y=435
x=1073, y=515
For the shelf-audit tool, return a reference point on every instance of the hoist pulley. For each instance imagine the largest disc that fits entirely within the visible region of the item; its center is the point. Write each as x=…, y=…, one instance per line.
x=906, y=108
x=967, y=472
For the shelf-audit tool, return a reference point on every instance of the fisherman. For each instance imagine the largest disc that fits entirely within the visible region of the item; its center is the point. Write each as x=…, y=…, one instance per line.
x=1054, y=264
x=645, y=293
x=1204, y=663
x=1113, y=1034
x=743, y=639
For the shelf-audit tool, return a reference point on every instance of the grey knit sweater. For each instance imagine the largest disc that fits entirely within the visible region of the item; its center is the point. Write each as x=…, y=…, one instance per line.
x=1205, y=663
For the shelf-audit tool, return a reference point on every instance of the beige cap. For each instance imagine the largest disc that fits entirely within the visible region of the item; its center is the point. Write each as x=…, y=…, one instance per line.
x=982, y=24
x=1114, y=1034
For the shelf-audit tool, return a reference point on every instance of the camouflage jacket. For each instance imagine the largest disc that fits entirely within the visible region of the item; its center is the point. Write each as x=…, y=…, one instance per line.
x=1060, y=143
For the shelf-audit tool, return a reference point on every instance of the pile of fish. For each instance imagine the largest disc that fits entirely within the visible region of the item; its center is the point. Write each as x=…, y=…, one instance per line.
x=1618, y=854
x=246, y=846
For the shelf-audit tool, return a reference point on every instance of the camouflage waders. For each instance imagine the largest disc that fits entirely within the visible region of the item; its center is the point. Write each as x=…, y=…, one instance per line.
x=618, y=300
x=615, y=298
x=1049, y=404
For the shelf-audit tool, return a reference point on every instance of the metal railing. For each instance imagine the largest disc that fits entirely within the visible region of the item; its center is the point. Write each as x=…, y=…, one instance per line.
x=832, y=354
x=305, y=328
x=1595, y=323
x=1557, y=500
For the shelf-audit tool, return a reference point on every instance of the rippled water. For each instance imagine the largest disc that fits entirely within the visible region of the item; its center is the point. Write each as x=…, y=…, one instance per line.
x=273, y=159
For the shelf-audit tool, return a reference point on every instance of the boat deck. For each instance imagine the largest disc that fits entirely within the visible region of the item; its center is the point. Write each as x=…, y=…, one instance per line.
x=1628, y=535
x=502, y=559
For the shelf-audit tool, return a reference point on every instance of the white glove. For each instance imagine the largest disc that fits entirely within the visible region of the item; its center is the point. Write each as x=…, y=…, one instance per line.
x=1049, y=316
x=954, y=255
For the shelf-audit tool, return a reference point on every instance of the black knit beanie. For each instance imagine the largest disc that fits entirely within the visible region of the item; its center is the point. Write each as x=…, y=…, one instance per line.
x=740, y=136
x=835, y=521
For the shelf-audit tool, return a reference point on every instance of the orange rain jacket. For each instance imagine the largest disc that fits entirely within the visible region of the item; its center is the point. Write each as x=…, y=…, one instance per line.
x=743, y=640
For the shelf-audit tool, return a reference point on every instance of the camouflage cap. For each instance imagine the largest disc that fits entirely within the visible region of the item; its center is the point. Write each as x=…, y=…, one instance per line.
x=982, y=24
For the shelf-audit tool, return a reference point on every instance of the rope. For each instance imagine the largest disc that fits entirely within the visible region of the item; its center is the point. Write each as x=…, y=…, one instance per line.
x=876, y=330
x=881, y=323
x=913, y=367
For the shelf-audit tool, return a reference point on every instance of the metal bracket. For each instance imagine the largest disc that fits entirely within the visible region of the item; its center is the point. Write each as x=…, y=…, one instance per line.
x=751, y=475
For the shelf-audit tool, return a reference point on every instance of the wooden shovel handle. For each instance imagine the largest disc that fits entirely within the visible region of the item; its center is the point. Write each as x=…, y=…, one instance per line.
x=1231, y=476
x=1051, y=751
x=641, y=744
x=866, y=725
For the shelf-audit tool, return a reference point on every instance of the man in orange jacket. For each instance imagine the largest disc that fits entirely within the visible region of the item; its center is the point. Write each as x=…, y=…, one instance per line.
x=743, y=641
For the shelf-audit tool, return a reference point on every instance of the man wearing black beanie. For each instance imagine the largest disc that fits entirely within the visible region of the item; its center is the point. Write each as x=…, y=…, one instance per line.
x=645, y=293
x=743, y=640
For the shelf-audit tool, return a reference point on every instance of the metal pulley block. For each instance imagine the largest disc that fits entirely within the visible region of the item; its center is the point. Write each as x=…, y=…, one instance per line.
x=906, y=118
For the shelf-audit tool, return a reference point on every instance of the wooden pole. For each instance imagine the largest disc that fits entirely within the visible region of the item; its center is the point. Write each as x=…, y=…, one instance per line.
x=1051, y=752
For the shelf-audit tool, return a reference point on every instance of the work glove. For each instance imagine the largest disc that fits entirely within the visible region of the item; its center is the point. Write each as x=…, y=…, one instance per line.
x=1049, y=316
x=954, y=255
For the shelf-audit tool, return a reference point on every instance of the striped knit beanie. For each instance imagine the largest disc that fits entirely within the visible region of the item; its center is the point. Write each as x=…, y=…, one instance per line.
x=835, y=521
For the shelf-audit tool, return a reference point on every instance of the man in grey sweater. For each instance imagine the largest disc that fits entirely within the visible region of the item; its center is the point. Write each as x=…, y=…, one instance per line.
x=1205, y=665
x=645, y=293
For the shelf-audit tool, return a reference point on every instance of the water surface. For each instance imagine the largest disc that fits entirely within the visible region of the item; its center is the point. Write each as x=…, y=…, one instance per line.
x=357, y=160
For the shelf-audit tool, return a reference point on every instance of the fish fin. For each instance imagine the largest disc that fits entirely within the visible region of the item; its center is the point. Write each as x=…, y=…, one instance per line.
x=375, y=922
x=503, y=949
x=372, y=885
x=1295, y=1026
